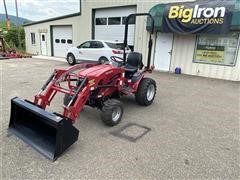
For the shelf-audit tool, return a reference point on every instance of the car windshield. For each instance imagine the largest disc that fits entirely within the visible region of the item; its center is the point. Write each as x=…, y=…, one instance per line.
x=115, y=45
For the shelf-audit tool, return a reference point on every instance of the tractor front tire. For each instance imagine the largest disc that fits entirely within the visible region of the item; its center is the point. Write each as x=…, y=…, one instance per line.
x=112, y=112
x=67, y=98
x=146, y=92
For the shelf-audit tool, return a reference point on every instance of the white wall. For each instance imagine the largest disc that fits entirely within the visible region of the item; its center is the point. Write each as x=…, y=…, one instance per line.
x=82, y=25
x=183, y=52
x=37, y=28
x=183, y=47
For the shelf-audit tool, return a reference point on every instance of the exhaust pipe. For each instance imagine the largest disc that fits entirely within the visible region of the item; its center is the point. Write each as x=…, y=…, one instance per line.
x=49, y=133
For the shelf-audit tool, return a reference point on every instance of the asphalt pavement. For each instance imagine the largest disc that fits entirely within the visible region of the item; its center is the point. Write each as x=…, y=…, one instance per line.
x=191, y=131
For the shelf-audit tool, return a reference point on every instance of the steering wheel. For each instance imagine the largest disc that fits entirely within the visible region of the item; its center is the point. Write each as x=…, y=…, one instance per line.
x=118, y=60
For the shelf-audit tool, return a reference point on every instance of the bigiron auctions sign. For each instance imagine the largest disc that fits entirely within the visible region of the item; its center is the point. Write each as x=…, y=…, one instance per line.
x=210, y=17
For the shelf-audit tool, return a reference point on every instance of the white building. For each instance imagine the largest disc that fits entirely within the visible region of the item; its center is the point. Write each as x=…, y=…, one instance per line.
x=104, y=20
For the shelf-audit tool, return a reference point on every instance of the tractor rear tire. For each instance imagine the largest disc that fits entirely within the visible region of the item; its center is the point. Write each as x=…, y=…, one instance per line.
x=112, y=112
x=146, y=92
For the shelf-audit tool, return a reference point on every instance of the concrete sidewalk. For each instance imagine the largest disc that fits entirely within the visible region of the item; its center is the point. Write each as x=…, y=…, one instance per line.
x=49, y=58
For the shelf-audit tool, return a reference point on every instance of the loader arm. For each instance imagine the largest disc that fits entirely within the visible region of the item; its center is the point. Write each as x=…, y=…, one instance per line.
x=80, y=94
x=77, y=102
x=50, y=133
x=103, y=80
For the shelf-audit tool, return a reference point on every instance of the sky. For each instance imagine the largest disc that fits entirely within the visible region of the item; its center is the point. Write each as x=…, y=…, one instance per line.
x=36, y=10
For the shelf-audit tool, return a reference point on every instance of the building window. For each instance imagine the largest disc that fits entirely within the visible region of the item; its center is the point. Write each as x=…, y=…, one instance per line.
x=101, y=21
x=221, y=50
x=63, y=41
x=69, y=41
x=43, y=37
x=114, y=21
x=33, y=41
x=130, y=21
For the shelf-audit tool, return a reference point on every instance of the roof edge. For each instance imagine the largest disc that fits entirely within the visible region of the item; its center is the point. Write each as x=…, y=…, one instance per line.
x=53, y=19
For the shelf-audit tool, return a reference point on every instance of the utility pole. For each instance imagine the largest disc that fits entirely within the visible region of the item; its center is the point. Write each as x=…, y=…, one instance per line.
x=18, y=27
x=6, y=13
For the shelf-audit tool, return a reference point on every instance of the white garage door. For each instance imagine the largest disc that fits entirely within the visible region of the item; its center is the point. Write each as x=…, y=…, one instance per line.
x=109, y=24
x=62, y=40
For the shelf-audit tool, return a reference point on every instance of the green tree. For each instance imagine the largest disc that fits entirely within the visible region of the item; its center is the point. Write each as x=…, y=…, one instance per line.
x=11, y=35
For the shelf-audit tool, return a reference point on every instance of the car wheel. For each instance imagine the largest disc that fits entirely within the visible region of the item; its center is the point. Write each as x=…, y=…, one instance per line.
x=71, y=59
x=102, y=60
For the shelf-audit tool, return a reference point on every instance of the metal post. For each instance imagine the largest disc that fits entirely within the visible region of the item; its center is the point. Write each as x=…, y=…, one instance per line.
x=6, y=13
x=18, y=27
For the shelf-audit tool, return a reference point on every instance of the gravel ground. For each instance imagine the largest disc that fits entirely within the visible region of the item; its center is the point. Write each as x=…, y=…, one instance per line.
x=192, y=131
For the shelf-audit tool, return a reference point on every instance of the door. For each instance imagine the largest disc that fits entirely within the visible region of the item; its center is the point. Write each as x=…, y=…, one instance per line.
x=163, y=51
x=62, y=40
x=97, y=50
x=43, y=43
x=84, y=51
x=90, y=50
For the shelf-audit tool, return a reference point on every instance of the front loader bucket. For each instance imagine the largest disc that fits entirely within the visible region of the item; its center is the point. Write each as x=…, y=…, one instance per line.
x=48, y=133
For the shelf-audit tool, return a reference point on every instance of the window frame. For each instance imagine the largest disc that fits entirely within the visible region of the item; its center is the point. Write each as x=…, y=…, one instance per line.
x=57, y=40
x=33, y=38
x=69, y=40
x=114, y=24
x=101, y=24
x=124, y=17
x=43, y=38
x=62, y=41
x=85, y=43
x=97, y=42
x=214, y=63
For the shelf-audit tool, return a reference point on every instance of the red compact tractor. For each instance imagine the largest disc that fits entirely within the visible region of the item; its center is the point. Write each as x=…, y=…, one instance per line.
x=95, y=85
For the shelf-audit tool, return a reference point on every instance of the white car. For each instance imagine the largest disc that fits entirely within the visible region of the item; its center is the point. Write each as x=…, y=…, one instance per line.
x=95, y=50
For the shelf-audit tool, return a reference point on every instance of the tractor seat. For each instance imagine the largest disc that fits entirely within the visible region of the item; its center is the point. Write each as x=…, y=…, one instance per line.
x=134, y=62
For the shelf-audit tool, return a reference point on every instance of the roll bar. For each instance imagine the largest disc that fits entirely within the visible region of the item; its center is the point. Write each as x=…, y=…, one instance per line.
x=150, y=38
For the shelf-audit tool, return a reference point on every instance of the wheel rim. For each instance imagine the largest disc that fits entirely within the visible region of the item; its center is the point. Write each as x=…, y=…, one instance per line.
x=150, y=92
x=70, y=59
x=116, y=113
x=102, y=60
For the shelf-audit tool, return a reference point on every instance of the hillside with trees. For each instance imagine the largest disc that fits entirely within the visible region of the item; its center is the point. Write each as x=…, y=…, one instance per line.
x=13, y=19
x=11, y=36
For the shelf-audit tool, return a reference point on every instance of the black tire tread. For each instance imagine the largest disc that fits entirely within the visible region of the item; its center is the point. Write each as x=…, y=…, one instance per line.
x=141, y=95
x=103, y=57
x=106, y=115
x=70, y=54
x=66, y=99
